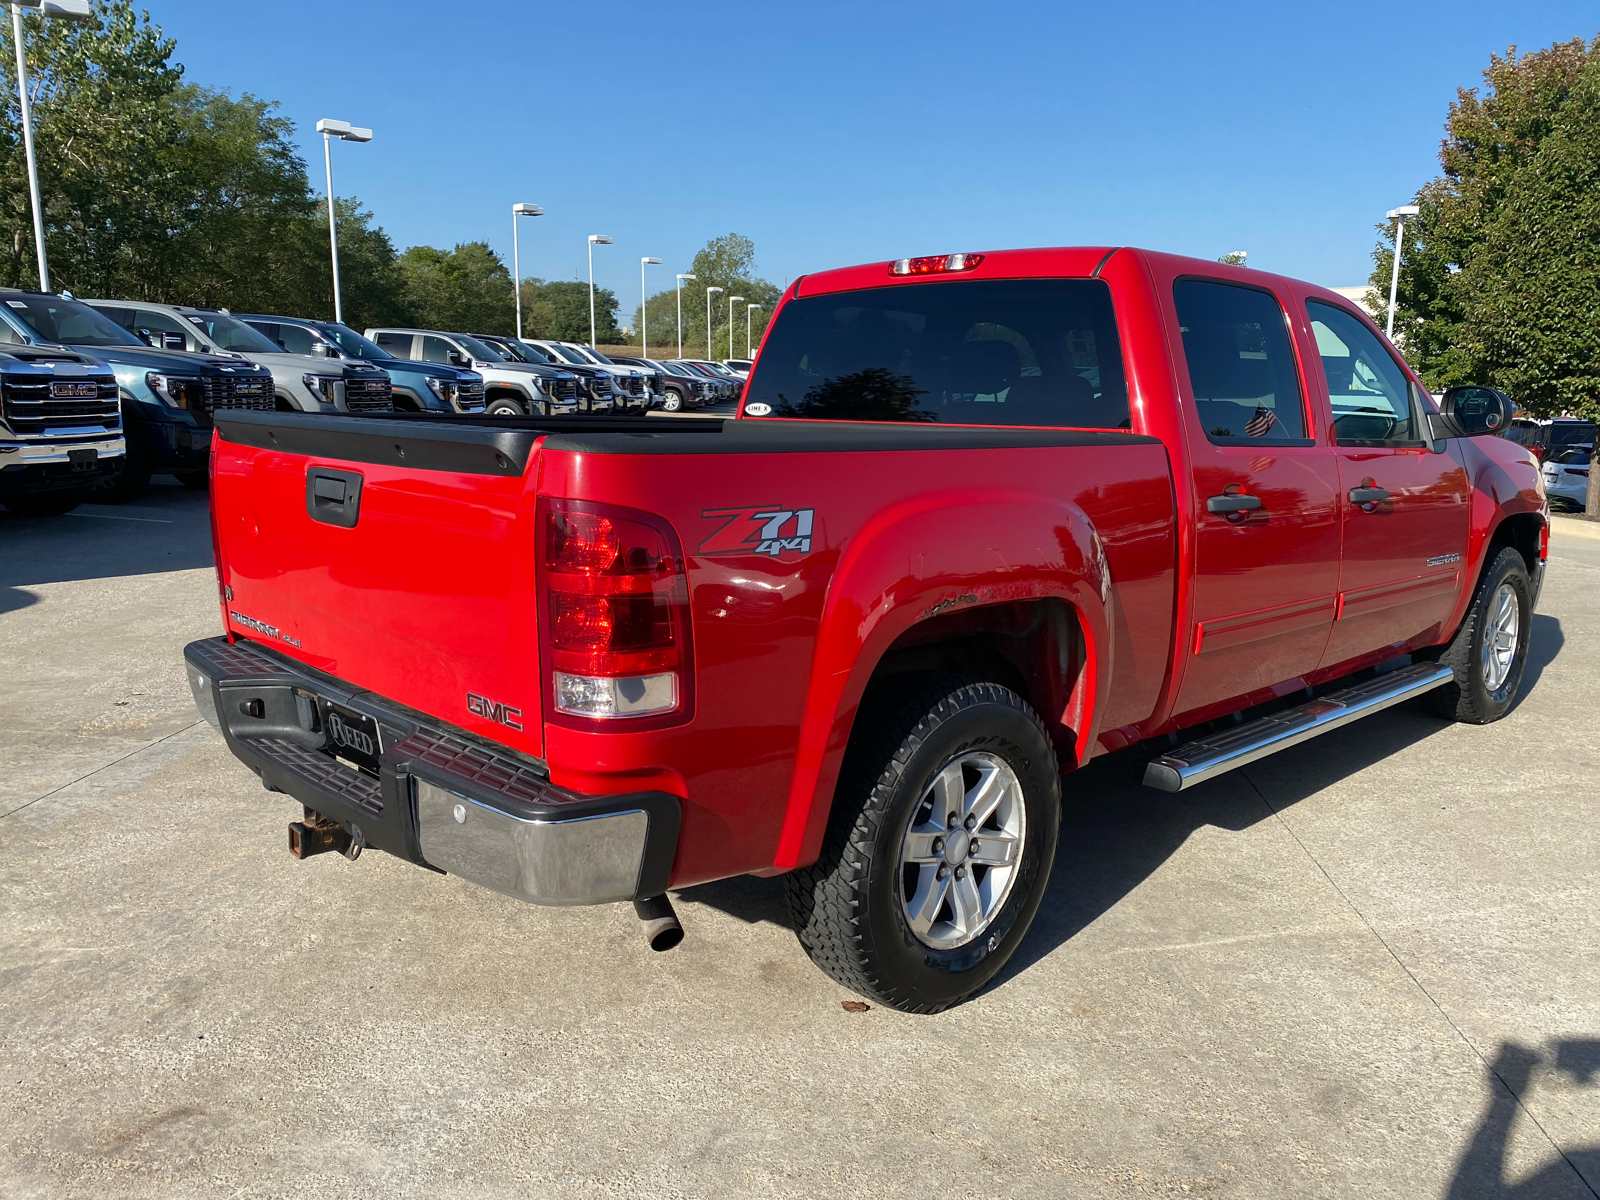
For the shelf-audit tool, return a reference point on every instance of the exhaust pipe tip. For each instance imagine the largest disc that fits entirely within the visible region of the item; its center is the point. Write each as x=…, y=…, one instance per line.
x=661, y=927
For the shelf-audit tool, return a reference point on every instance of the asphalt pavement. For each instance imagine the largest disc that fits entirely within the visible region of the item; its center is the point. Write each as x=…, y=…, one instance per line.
x=1368, y=966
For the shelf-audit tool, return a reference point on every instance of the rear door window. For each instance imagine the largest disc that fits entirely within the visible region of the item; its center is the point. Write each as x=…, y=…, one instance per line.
x=171, y=332
x=397, y=344
x=1036, y=352
x=1242, y=372
x=1371, y=396
x=437, y=350
x=296, y=339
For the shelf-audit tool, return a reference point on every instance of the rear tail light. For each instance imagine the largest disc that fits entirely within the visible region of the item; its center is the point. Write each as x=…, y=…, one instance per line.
x=935, y=264
x=1544, y=542
x=615, y=594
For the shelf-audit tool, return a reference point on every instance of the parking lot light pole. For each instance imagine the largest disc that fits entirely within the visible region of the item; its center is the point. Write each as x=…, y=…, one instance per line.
x=70, y=10
x=1397, y=215
x=595, y=239
x=732, y=300
x=681, y=278
x=748, y=309
x=345, y=132
x=709, y=290
x=519, y=210
x=644, y=304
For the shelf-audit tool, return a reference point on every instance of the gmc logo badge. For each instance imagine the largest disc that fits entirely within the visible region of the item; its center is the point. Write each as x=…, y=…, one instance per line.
x=500, y=714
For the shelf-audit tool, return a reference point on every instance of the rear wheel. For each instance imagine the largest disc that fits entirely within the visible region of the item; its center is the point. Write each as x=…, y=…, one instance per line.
x=45, y=504
x=939, y=846
x=1490, y=649
x=502, y=406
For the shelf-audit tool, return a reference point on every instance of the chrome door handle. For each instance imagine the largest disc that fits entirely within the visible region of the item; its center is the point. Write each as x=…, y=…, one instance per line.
x=1368, y=495
x=1232, y=504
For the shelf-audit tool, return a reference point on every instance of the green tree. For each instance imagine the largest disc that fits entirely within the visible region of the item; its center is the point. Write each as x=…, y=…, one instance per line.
x=157, y=190
x=728, y=262
x=467, y=289
x=1500, y=277
x=559, y=311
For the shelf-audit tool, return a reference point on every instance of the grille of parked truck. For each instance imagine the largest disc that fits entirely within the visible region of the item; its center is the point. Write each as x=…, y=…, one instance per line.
x=60, y=428
x=981, y=519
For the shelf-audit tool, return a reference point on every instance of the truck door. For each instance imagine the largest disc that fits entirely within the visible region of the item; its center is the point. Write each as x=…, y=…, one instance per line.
x=1266, y=532
x=1403, y=507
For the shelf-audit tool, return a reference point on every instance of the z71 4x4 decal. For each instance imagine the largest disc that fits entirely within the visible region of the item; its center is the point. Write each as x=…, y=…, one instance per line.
x=759, y=529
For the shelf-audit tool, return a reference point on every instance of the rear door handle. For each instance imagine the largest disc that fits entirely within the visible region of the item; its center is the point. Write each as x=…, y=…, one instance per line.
x=1368, y=495
x=1232, y=504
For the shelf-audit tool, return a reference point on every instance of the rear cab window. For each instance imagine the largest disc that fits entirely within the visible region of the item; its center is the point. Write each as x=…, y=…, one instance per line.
x=1030, y=352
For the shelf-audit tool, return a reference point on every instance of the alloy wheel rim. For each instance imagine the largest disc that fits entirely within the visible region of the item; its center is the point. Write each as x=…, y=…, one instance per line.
x=1501, y=633
x=962, y=850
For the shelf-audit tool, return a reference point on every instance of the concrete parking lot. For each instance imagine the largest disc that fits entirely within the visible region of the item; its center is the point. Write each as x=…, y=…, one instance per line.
x=1368, y=966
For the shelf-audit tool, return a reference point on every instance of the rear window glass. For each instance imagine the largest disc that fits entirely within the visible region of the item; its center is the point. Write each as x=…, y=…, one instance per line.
x=968, y=352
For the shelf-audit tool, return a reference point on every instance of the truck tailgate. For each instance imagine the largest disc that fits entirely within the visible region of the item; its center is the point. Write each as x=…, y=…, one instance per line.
x=396, y=555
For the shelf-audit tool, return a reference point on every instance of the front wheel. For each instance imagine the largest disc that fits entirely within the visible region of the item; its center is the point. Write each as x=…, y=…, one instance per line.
x=1490, y=649
x=939, y=846
x=501, y=407
x=671, y=402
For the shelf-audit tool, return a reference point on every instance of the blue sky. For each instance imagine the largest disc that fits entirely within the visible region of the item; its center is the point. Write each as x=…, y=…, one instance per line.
x=833, y=133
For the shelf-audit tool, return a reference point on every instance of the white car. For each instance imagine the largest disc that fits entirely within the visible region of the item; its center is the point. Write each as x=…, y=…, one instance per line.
x=739, y=366
x=1566, y=475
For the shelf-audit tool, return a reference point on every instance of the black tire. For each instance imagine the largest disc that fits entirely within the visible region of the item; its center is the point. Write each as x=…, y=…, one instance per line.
x=198, y=480
x=45, y=504
x=502, y=406
x=848, y=907
x=1473, y=696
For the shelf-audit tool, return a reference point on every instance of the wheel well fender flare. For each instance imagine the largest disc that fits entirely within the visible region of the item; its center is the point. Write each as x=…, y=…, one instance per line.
x=922, y=558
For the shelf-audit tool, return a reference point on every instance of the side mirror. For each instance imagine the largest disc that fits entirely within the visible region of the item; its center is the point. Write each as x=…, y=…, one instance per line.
x=172, y=341
x=328, y=350
x=456, y=359
x=1476, y=412
x=148, y=338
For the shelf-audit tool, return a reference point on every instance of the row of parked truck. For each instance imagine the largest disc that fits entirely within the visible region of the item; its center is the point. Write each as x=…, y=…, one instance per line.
x=96, y=396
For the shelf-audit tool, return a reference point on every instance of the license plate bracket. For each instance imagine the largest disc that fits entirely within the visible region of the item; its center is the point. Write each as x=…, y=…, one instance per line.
x=83, y=460
x=351, y=736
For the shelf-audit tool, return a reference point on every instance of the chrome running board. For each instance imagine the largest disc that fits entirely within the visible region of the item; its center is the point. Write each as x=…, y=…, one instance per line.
x=1207, y=757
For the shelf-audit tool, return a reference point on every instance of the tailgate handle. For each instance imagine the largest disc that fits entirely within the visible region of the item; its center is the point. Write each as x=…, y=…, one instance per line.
x=333, y=497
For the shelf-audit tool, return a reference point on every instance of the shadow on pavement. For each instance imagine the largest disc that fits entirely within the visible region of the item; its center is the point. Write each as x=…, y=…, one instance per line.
x=1545, y=642
x=166, y=529
x=1115, y=832
x=1481, y=1173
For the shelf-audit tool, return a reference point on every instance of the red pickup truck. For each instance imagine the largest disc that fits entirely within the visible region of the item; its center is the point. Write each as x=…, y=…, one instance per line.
x=981, y=518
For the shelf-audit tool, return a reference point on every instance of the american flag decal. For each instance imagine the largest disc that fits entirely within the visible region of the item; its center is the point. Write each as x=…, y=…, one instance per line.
x=1261, y=424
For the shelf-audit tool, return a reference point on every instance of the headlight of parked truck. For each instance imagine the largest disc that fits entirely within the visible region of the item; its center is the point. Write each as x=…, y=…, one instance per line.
x=178, y=391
